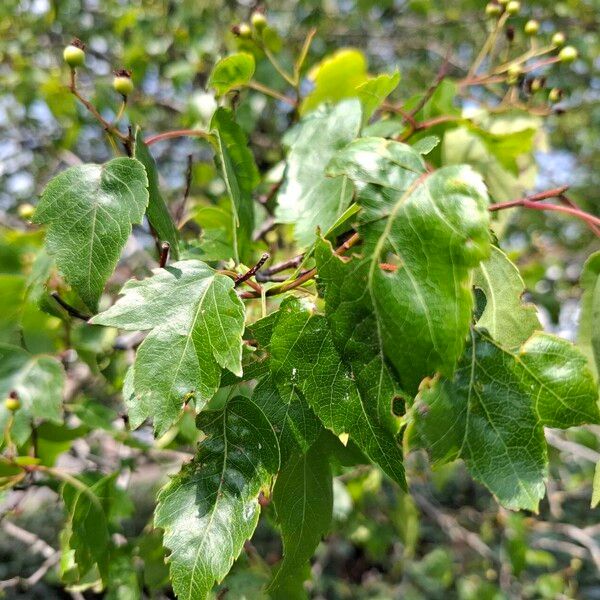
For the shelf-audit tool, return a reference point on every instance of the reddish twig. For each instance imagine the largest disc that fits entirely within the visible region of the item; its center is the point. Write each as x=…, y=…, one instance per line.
x=167, y=135
x=252, y=271
x=164, y=254
x=307, y=276
x=534, y=202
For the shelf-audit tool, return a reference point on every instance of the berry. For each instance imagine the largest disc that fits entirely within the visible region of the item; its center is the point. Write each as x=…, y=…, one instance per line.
x=513, y=7
x=74, y=53
x=532, y=27
x=259, y=21
x=25, y=211
x=536, y=85
x=122, y=83
x=12, y=402
x=555, y=95
x=559, y=39
x=242, y=30
x=513, y=74
x=568, y=54
x=493, y=9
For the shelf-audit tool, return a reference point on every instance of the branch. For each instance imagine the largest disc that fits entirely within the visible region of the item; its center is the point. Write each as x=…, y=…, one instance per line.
x=167, y=135
x=251, y=272
x=307, y=276
x=164, y=254
x=443, y=71
x=186, y=192
x=94, y=111
x=533, y=202
x=70, y=309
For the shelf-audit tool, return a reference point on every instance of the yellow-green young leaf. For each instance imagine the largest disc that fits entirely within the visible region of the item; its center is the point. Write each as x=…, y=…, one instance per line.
x=157, y=211
x=240, y=174
x=374, y=91
x=89, y=211
x=596, y=487
x=303, y=499
x=493, y=412
x=38, y=382
x=589, y=321
x=350, y=394
x=196, y=322
x=308, y=199
x=335, y=78
x=508, y=319
x=232, y=72
x=86, y=537
x=429, y=230
x=211, y=507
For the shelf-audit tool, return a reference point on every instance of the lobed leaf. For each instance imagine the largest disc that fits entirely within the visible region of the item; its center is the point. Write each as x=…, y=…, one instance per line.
x=38, y=382
x=89, y=211
x=492, y=413
x=196, y=322
x=308, y=199
x=211, y=507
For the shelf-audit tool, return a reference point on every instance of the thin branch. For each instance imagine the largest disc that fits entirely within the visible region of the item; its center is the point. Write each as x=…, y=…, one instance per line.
x=259, y=87
x=70, y=309
x=290, y=263
x=572, y=447
x=307, y=276
x=167, y=135
x=252, y=271
x=164, y=254
x=267, y=226
x=93, y=110
x=443, y=71
x=186, y=192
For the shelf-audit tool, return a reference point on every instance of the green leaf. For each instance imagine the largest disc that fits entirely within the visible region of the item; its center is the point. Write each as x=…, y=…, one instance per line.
x=89, y=211
x=374, y=91
x=507, y=318
x=596, y=487
x=433, y=230
x=492, y=413
x=308, y=199
x=295, y=424
x=240, y=174
x=349, y=396
x=303, y=498
x=86, y=532
x=336, y=77
x=589, y=321
x=232, y=72
x=38, y=382
x=196, y=322
x=211, y=507
x=157, y=211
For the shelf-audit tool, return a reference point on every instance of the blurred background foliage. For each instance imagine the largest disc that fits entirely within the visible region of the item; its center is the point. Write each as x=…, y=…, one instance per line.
x=449, y=539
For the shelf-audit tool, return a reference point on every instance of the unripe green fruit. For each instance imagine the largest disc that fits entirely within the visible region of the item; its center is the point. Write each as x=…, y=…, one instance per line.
x=244, y=31
x=555, y=95
x=12, y=404
x=259, y=21
x=123, y=85
x=568, y=54
x=493, y=9
x=532, y=27
x=536, y=85
x=74, y=56
x=513, y=7
x=559, y=39
x=26, y=211
x=513, y=74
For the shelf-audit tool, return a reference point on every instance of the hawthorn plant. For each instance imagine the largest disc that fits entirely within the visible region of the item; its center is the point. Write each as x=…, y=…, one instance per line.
x=346, y=306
